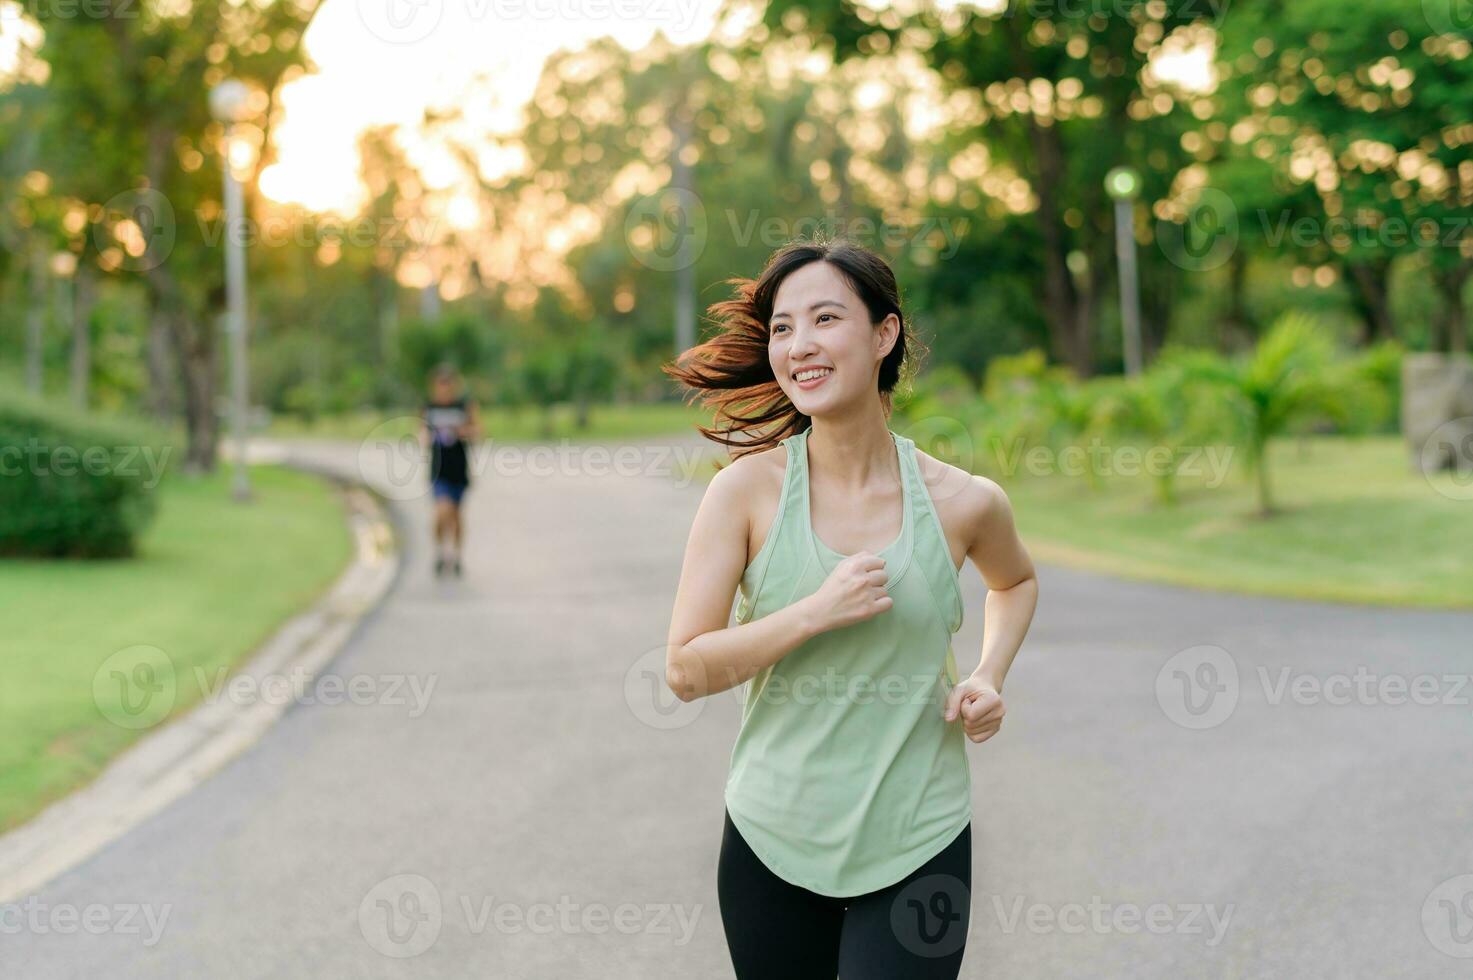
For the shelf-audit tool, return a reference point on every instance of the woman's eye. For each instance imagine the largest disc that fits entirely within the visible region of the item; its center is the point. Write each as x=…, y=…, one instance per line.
x=822, y=315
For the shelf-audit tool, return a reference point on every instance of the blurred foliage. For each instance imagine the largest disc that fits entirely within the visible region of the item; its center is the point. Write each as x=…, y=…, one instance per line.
x=967, y=145
x=73, y=485
x=1295, y=381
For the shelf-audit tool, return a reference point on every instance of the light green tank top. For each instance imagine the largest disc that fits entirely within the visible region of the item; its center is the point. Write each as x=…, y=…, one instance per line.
x=844, y=777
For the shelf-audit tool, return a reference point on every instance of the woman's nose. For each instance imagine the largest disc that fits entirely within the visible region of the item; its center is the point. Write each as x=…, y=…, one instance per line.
x=803, y=341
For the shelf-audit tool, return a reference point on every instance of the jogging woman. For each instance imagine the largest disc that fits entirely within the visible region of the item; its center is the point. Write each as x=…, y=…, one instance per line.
x=451, y=423
x=846, y=848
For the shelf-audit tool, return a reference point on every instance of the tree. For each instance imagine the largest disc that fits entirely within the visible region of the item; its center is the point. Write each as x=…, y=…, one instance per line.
x=1052, y=89
x=1365, y=123
x=1288, y=378
x=127, y=124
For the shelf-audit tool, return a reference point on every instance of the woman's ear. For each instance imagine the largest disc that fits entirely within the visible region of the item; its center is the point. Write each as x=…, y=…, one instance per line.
x=887, y=335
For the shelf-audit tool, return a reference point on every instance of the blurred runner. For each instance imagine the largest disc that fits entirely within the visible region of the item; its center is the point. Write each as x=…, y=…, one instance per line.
x=451, y=423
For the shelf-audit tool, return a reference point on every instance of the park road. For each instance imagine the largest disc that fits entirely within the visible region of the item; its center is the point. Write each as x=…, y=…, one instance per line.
x=1188, y=784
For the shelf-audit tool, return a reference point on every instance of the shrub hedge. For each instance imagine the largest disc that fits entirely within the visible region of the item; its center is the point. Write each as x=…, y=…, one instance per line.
x=73, y=485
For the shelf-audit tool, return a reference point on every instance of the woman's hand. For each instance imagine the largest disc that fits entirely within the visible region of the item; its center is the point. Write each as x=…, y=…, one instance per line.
x=853, y=592
x=979, y=705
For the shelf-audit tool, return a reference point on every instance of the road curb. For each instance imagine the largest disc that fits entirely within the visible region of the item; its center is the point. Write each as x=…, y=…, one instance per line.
x=166, y=764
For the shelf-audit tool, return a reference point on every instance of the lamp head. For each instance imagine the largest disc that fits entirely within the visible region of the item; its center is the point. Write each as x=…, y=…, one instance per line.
x=1123, y=183
x=228, y=100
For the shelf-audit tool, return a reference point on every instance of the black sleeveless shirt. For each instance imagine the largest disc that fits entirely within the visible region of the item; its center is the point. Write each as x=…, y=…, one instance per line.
x=448, y=462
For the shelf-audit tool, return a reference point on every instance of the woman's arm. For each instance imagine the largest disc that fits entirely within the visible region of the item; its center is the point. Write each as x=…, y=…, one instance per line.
x=1012, y=583
x=703, y=655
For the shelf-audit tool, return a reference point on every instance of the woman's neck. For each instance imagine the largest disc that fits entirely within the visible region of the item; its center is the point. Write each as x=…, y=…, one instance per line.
x=854, y=451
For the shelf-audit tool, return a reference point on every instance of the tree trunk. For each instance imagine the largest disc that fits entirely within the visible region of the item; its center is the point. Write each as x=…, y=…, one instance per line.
x=1371, y=297
x=193, y=339
x=194, y=349
x=1240, y=330
x=429, y=299
x=161, y=377
x=36, y=321
x=1068, y=337
x=682, y=180
x=84, y=296
x=386, y=292
x=1451, y=333
x=1158, y=324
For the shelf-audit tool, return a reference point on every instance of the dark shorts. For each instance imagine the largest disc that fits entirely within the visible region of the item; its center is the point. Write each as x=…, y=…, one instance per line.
x=915, y=929
x=449, y=491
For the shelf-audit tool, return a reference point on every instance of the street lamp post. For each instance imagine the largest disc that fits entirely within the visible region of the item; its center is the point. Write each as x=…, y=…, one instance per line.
x=1123, y=185
x=227, y=104
x=63, y=268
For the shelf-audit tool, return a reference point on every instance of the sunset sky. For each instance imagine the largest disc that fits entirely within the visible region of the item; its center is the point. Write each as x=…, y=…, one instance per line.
x=386, y=61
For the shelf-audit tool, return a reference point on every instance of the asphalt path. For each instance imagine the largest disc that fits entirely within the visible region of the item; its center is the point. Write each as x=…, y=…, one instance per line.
x=1188, y=784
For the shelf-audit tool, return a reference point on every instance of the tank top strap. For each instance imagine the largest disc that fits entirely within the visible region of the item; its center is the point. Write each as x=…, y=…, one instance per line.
x=930, y=550
x=785, y=546
x=795, y=476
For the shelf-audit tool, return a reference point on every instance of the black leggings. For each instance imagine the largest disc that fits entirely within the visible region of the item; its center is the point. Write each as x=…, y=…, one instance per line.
x=915, y=928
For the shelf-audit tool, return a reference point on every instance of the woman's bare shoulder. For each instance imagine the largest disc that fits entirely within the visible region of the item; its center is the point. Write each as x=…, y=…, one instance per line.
x=754, y=472
x=750, y=486
x=963, y=499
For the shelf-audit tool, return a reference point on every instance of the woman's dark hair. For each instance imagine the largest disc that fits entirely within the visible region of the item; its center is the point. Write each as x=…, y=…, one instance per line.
x=730, y=372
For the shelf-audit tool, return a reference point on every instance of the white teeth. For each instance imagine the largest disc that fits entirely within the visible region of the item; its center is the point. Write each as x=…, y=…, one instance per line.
x=812, y=373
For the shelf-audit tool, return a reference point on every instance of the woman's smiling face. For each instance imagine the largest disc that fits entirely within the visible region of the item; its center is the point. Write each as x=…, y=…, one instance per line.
x=821, y=345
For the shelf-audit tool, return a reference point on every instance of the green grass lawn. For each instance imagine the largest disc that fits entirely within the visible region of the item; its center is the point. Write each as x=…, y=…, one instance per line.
x=1357, y=525
x=211, y=582
x=502, y=425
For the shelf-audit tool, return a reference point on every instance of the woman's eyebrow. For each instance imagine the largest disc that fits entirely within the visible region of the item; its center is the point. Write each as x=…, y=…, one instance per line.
x=822, y=302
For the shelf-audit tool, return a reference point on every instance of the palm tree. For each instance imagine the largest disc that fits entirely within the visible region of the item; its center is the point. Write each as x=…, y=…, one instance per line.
x=1289, y=377
x=1154, y=406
